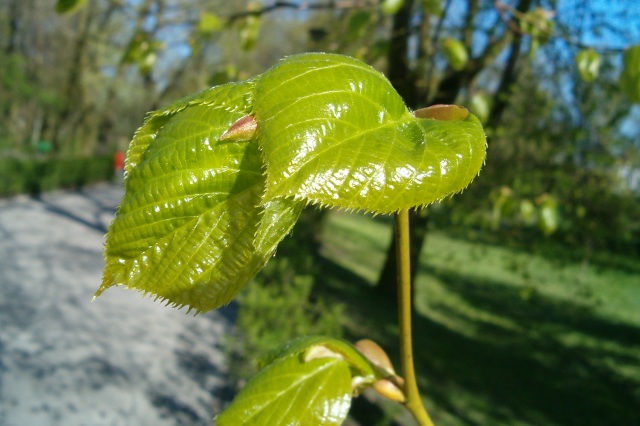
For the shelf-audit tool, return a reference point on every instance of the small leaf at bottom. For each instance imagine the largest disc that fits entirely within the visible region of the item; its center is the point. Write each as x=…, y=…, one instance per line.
x=293, y=392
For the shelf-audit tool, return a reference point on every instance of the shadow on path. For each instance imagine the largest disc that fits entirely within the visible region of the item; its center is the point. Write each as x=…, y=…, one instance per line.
x=99, y=206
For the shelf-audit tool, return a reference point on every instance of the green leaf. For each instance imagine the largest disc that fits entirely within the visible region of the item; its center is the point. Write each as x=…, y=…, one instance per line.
x=142, y=52
x=338, y=348
x=216, y=180
x=588, y=62
x=293, y=391
x=630, y=77
x=391, y=7
x=350, y=142
x=549, y=218
x=209, y=23
x=68, y=6
x=191, y=226
x=249, y=32
x=455, y=52
x=538, y=24
x=309, y=380
x=480, y=106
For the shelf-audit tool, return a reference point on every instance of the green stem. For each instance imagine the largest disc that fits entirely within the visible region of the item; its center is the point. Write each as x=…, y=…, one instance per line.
x=413, y=402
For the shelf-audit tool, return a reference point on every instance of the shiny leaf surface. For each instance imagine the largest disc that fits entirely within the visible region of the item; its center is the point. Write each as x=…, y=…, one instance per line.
x=191, y=228
x=292, y=391
x=216, y=180
x=352, y=143
x=309, y=380
x=455, y=52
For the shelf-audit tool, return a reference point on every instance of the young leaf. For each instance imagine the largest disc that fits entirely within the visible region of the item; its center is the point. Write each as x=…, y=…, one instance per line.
x=249, y=32
x=350, y=142
x=340, y=349
x=480, y=106
x=309, y=380
x=208, y=24
x=630, y=78
x=588, y=62
x=191, y=227
x=455, y=52
x=293, y=391
x=68, y=6
x=549, y=218
x=216, y=180
x=391, y=7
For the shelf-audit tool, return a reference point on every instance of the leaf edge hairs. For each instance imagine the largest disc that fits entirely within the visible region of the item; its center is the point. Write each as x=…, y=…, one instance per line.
x=216, y=180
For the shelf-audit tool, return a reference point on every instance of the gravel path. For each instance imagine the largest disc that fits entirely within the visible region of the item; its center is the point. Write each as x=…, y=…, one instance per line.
x=121, y=360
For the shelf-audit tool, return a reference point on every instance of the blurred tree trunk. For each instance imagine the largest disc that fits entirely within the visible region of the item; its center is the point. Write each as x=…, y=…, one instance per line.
x=74, y=107
x=509, y=75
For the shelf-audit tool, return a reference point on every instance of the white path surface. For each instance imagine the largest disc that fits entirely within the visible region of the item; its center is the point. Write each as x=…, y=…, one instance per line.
x=121, y=360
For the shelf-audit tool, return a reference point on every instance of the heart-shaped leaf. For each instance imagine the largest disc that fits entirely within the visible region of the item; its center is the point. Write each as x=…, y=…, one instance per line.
x=350, y=141
x=293, y=391
x=215, y=181
x=191, y=228
x=308, y=381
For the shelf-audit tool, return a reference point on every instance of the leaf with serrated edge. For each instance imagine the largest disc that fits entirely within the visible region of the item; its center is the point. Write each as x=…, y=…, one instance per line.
x=302, y=345
x=350, y=142
x=207, y=201
x=292, y=391
x=191, y=228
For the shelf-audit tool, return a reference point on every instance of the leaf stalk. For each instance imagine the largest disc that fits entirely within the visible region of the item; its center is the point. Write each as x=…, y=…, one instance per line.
x=413, y=402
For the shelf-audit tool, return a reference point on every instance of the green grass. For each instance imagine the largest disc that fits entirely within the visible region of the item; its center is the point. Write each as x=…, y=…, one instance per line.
x=502, y=337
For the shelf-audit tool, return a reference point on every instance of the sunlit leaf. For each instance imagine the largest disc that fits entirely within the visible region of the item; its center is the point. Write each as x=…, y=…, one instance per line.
x=337, y=348
x=350, y=142
x=141, y=51
x=455, y=52
x=527, y=212
x=293, y=391
x=549, y=218
x=309, y=380
x=190, y=228
x=249, y=32
x=215, y=181
x=588, y=62
x=480, y=106
x=391, y=7
x=68, y=6
x=209, y=23
x=538, y=23
x=630, y=77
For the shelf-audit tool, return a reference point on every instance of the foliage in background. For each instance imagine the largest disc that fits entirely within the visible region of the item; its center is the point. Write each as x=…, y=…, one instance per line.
x=33, y=176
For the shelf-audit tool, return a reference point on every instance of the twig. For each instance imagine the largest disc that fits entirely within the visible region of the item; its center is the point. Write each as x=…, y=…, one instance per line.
x=413, y=402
